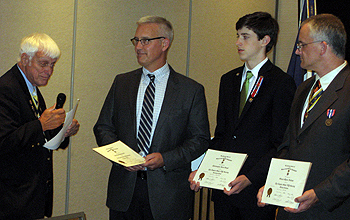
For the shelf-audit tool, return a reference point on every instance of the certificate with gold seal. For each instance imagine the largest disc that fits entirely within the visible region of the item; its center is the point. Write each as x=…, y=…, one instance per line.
x=285, y=181
x=219, y=168
x=121, y=154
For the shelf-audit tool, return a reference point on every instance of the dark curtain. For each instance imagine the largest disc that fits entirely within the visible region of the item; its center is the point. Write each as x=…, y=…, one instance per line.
x=341, y=9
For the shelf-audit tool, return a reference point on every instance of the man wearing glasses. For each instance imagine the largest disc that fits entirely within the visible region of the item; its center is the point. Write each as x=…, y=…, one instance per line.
x=26, y=175
x=251, y=119
x=319, y=125
x=162, y=115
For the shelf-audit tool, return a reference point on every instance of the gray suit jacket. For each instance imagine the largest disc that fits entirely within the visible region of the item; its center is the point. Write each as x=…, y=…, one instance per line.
x=326, y=146
x=181, y=135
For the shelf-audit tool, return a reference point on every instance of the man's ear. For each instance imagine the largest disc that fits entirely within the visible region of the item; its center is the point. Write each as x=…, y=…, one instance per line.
x=324, y=47
x=24, y=59
x=266, y=40
x=165, y=44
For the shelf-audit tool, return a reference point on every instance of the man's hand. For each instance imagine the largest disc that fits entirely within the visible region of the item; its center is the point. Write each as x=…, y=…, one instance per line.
x=72, y=129
x=259, y=197
x=51, y=118
x=135, y=168
x=308, y=199
x=193, y=184
x=237, y=185
x=154, y=161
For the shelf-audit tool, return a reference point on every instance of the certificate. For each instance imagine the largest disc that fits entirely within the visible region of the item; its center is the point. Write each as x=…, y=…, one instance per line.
x=219, y=168
x=285, y=181
x=55, y=142
x=121, y=154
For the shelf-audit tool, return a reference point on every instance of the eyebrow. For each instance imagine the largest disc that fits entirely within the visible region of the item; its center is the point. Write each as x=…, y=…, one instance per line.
x=244, y=34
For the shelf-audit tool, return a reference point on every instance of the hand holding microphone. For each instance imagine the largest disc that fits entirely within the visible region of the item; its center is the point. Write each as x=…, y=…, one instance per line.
x=61, y=98
x=53, y=117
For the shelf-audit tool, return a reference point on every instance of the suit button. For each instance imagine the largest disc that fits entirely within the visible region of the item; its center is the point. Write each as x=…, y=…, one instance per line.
x=298, y=141
x=234, y=137
x=38, y=144
x=33, y=145
x=48, y=158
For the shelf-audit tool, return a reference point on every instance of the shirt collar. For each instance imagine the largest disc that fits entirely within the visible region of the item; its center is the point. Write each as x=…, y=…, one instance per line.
x=328, y=78
x=159, y=73
x=256, y=69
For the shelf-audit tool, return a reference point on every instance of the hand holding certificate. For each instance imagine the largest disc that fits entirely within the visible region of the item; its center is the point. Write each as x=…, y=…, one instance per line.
x=121, y=154
x=219, y=168
x=55, y=142
x=285, y=181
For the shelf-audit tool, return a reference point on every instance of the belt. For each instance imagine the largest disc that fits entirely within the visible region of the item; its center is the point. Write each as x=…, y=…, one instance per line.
x=142, y=174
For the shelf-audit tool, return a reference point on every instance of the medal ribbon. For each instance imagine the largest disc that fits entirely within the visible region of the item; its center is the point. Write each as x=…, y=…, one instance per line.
x=257, y=87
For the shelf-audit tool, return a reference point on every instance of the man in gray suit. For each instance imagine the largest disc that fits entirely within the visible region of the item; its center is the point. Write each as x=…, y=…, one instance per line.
x=179, y=130
x=318, y=131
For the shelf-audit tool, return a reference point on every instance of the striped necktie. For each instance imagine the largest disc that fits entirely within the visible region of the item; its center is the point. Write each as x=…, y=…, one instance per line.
x=145, y=128
x=244, y=92
x=314, y=97
x=35, y=98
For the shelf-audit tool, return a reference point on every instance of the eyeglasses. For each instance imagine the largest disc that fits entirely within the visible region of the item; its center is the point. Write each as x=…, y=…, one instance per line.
x=144, y=41
x=301, y=45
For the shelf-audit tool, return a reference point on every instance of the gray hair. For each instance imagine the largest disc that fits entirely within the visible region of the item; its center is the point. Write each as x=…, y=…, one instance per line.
x=39, y=42
x=328, y=28
x=164, y=25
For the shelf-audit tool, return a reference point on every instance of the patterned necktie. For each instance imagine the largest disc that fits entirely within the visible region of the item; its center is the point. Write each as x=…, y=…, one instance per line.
x=314, y=97
x=145, y=128
x=35, y=98
x=244, y=91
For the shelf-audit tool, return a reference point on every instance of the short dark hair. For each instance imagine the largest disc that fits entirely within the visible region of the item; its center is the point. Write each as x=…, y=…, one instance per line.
x=262, y=24
x=328, y=28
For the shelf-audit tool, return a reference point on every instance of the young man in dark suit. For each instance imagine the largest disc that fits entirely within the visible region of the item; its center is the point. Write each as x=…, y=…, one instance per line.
x=251, y=122
x=319, y=133
x=179, y=130
x=26, y=175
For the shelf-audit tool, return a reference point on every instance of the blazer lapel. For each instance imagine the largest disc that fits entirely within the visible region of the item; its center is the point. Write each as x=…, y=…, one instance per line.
x=134, y=87
x=24, y=87
x=258, y=85
x=328, y=97
x=236, y=94
x=170, y=97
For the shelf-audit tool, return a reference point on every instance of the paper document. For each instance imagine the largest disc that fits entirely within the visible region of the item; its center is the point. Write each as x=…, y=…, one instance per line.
x=285, y=181
x=219, y=168
x=55, y=142
x=121, y=154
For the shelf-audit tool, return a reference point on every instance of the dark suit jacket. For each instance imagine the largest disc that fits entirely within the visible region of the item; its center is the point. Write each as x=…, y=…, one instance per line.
x=258, y=131
x=327, y=147
x=25, y=165
x=181, y=135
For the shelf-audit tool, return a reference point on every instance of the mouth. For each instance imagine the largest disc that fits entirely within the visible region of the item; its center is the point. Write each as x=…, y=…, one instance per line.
x=139, y=53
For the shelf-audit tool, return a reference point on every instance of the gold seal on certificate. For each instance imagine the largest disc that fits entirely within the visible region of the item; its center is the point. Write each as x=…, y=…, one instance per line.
x=120, y=153
x=285, y=181
x=219, y=168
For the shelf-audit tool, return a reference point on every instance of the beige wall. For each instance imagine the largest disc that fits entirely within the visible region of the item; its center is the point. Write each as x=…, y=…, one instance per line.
x=103, y=50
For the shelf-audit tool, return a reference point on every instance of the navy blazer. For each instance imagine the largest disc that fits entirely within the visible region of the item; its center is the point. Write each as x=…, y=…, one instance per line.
x=260, y=128
x=181, y=135
x=26, y=187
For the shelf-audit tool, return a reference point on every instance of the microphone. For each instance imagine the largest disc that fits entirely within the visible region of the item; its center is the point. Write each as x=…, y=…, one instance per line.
x=61, y=98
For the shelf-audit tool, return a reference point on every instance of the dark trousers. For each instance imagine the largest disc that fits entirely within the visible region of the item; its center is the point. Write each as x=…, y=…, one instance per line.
x=139, y=208
x=225, y=211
